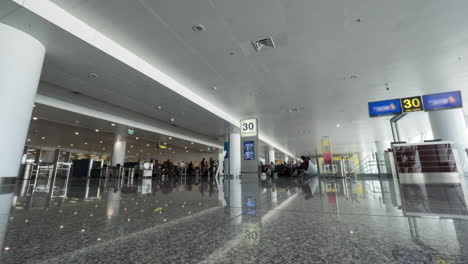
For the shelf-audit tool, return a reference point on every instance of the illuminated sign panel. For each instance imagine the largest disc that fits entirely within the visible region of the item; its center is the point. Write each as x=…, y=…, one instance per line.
x=442, y=101
x=412, y=104
x=387, y=107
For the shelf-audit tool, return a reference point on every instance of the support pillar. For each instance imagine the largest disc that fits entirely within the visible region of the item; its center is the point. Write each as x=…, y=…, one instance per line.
x=380, y=147
x=235, y=153
x=271, y=155
x=450, y=125
x=21, y=62
x=119, y=149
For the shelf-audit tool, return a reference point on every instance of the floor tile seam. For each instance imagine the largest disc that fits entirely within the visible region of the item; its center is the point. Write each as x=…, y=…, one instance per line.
x=132, y=235
x=203, y=233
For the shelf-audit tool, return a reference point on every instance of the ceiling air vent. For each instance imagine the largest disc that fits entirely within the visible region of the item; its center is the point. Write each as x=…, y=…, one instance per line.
x=264, y=43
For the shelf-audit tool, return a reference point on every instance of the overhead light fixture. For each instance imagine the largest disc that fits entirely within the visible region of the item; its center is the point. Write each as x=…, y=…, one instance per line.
x=93, y=75
x=34, y=105
x=131, y=146
x=43, y=137
x=186, y=151
x=338, y=125
x=170, y=137
x=100, y=141
x=86, y=143
x=97, y=130
x=137, y=138
x=35, y=118
x=172, y=119
x=165, y=143
x=147, y=145
x=185, y=147
x=77, y=133
x=159, y=107
x=198, y=28
x=170, y=148
x=77, y=122
x=112, y=124
x=191, y=143
x=71, y=145
x=58, y=146
x=29, y=139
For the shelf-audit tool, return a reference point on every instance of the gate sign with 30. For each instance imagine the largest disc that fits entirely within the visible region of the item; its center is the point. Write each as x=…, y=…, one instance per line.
x=412, y=104
x=249, y=128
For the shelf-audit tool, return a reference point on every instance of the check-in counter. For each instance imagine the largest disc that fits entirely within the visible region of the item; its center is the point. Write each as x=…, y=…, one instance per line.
x=431, y=180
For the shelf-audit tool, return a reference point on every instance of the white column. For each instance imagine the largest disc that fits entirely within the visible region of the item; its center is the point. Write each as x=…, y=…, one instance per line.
x=380, y=147
x=450, y=125
x=286, y=159
x=118, y=152
x=235, y=153
x=21, y=62
x=220, y=161
x=271, y=155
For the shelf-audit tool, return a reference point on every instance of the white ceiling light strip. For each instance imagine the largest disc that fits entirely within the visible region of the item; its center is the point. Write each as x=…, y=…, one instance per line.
x=118, y=119
x=61, y=18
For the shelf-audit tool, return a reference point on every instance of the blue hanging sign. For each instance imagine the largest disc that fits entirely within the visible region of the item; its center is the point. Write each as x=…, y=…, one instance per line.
x=442, y=101
x=387, y=107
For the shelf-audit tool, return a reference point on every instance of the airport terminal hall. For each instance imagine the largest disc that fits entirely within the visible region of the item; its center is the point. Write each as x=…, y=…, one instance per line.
x=234, y=131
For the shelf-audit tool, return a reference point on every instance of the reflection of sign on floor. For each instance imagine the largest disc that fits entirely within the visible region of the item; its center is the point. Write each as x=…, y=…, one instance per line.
x=251, y=233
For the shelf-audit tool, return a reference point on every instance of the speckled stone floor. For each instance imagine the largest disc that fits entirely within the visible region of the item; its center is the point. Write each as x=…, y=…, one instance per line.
x=235, y=220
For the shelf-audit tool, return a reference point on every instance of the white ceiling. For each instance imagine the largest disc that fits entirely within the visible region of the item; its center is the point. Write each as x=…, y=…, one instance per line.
x=417, y=47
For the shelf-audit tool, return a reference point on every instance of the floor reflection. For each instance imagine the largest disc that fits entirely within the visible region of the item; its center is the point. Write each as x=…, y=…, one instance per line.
x=228, y=220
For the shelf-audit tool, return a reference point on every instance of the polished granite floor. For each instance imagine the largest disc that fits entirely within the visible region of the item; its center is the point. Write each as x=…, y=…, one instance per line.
x=235, y=220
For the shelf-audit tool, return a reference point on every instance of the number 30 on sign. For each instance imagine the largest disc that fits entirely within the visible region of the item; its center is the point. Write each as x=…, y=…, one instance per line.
x=412, y=104
x=249, y=128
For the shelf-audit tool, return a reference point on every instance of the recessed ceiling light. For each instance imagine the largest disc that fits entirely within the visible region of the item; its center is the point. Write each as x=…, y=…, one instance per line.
x=131, y=146
x=112, y=124
x=338, y=125
x=43, y=137
x=103, y=148
x=214, y=88
x=191, y=143
x=173, y=152
x=172, y=119
x=34, y=105
x=58, y=146
x=93, y=75
x=86, y=143
x=160, y=153
x=147, y=145
x=186, y=151
x=100, y=141
x=201, y=150
x=165, y=143
x=77, y=122
x=71, y=145
x=198, y=28
x=29, y=139
x=170, y=137
x=35, y=118
x=170, y=148
x=185, y=147
x=97, y=130
x=159, y=107
x=77, y=133
x=137, y=138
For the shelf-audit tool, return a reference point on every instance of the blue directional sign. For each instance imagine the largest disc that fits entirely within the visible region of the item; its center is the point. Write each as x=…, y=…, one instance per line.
x=442, y=101
x=387, y=107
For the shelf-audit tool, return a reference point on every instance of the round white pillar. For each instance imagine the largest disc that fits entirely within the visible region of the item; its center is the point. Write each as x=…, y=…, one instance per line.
x=271, y=155
x=380, y=148
x=450, y=125
x=118, y=151
x=220, y=161
x=235, y=153
x=21, y=62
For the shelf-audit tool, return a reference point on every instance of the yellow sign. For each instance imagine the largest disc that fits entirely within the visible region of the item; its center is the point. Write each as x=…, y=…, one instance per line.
x=412, y=104
x=162, y=147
